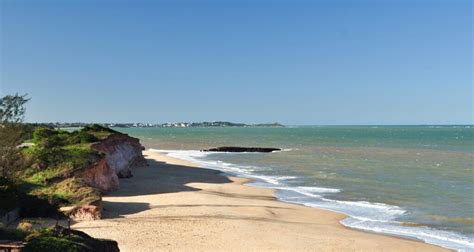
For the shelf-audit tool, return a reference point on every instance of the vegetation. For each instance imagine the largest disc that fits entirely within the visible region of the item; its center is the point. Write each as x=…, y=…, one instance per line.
x=39, y=178
x=12, y=109
x=54, y=158
x=57, y=239
x=9, y=197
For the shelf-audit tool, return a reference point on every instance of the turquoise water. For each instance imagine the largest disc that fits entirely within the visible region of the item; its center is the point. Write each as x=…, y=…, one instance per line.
x=406, y=180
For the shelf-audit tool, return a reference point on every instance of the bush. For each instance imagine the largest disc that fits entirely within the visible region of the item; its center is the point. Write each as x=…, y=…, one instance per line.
x=78, y=137
x=50, y=156
x=50, y=243
x=97, y=128
x=61, y=239
x=35, y=206
x=12, y=234
x=49, y=138
x=8, y=195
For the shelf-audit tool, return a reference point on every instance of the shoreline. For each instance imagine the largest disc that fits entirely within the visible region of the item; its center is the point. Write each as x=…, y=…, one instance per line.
x=176, y=205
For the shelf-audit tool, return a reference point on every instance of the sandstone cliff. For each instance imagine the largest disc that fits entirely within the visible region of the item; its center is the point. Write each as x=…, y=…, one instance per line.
x=122, y=154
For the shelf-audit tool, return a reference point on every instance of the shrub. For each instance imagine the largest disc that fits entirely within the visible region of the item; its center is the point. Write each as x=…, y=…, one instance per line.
x=50, y=243
x=97, y=128
x=50, y=156
x=8, y=195
x=49, y=138
x=61, y=239
x=36, y=206
x=78, y=137
x=12, y=234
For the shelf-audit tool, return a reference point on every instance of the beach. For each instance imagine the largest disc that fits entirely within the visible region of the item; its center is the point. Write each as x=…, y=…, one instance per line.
x=174, y=205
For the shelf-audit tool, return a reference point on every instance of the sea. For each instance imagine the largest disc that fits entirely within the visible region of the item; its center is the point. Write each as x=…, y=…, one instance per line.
x=409, y=181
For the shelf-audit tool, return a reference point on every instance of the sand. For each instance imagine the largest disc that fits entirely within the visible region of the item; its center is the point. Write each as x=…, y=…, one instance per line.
x=174, y=206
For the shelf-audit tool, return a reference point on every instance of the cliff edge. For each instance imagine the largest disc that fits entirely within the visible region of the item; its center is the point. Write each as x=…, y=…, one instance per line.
x=71, y=170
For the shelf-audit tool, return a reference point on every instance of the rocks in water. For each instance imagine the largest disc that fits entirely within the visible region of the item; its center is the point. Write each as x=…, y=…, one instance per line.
x=242, y=149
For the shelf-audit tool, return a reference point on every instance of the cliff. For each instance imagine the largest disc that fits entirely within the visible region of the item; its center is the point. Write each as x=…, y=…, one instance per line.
x=71, y=170
x=123, y=153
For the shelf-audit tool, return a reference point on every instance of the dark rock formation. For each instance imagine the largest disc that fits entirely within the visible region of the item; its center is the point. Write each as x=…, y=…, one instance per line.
x=242, y=149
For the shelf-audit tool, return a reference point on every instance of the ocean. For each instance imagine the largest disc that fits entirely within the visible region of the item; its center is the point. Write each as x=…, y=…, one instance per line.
x=410, y=181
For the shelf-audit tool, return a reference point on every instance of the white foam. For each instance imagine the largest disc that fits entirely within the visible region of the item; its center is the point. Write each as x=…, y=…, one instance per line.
x=319, y=189
x=310, y=191
x=434, y=236
x=274, y=180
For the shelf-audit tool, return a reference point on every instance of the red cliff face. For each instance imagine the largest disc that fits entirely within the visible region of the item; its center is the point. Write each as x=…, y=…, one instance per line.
x=100, y=175
x=122, y=154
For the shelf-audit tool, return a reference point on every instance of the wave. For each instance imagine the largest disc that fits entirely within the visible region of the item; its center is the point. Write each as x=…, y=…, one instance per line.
x=363, y=215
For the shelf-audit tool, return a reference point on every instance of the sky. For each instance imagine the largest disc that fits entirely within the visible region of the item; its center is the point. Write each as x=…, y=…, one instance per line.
x=294, y=62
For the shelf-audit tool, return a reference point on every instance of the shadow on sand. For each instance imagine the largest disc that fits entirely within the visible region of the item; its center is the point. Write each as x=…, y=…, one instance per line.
x=157, y=178
x=162, y=177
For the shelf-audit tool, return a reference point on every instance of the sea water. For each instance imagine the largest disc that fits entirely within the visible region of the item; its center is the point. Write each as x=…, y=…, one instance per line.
x=410, y=181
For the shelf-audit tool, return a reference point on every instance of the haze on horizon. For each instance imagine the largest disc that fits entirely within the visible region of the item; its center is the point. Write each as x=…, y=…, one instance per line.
x=293, y=62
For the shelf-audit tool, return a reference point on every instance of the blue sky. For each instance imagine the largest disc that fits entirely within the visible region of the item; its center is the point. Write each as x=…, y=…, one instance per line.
x=295, y=62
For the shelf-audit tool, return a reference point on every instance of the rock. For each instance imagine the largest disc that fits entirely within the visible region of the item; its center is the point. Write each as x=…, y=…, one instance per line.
x=123, y=153
x=91, y=211
x=101, y=176
x=242, y=149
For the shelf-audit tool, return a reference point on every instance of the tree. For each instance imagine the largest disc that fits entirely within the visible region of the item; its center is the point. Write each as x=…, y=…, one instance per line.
x=12, y=110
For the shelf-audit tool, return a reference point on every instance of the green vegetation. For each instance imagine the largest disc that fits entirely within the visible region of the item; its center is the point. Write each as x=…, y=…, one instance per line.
x=57, y=239
x=12, y=109
x=46, y=181
x=9, y=197
x=39, y=178
x=54, y=158
x=50, y=138
x=43, y=178
x=100, y=132
x=12, y=234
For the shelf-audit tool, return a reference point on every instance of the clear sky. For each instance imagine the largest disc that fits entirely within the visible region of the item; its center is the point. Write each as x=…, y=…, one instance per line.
x=295, y=62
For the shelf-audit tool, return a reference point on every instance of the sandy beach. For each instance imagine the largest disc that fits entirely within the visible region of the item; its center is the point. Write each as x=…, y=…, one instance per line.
x=172, y=205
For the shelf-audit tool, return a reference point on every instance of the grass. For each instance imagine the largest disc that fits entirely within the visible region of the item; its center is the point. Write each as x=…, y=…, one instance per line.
x=48, y=184
x=54, y=158
x=57, y=239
